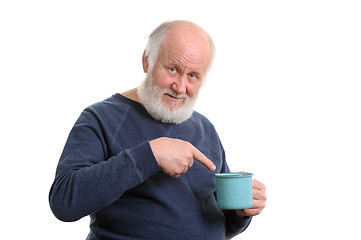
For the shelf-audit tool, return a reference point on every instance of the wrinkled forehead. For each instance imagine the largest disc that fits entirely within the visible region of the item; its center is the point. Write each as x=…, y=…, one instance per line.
x=187, y=57
x=186, y=50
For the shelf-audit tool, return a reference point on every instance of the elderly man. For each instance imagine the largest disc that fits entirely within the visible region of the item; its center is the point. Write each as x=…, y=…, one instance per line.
x=142, y=163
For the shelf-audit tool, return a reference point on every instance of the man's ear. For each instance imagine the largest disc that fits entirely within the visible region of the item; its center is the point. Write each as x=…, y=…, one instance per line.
x=145, y=62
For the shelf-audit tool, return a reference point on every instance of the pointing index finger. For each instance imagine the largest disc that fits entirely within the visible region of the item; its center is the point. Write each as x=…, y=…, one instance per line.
x=200, y=157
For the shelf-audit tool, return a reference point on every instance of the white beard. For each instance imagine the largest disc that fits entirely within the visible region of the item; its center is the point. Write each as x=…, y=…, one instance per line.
x=150, y=96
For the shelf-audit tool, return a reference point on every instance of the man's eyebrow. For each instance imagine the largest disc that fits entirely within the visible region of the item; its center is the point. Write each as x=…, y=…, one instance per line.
x=196, y=71
x=174, y=62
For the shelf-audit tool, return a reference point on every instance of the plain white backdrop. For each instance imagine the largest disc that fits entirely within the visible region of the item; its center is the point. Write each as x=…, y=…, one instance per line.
x=284, y=93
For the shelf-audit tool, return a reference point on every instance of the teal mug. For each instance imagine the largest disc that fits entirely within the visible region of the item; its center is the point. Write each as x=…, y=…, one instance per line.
x=234, y=190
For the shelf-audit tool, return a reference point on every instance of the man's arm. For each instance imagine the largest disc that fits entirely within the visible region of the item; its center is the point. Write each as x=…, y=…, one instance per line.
x=86, y=180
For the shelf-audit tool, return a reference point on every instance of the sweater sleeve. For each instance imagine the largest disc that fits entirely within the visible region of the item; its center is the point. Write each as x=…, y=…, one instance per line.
x=87, y=180
x=234, y=224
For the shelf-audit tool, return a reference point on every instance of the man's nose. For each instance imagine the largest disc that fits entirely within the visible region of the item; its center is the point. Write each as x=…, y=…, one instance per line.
x=180, y=84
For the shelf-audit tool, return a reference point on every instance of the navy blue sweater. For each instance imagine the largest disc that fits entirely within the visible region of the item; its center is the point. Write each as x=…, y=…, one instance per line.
x=107, y=170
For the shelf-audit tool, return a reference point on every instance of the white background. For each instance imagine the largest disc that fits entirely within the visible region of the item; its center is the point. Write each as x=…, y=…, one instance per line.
x=284, y=94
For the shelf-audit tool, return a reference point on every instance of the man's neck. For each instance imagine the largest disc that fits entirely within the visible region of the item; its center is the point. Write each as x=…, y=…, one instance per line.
x=132, y=94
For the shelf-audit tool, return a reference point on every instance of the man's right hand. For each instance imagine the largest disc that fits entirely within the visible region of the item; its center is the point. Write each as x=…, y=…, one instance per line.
x=176, y=156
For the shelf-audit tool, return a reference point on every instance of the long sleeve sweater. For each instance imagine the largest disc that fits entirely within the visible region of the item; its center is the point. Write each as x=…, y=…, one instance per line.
x=107, y=170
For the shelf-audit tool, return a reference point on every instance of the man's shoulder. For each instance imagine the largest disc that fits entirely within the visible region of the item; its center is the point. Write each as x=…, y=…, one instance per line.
x=198, y=116
x=113, y=107
x=115, y=102
x=201, y=120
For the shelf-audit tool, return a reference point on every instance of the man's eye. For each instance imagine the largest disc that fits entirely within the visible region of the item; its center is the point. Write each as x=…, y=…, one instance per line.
x=172, y=69
x=191, y=75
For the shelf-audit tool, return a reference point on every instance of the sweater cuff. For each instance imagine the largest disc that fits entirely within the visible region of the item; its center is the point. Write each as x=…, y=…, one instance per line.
x=145, y=163
x=235, y=225
x=241, y=221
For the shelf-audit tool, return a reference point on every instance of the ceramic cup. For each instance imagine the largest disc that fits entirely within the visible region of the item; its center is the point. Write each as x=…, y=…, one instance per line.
x=234, y=190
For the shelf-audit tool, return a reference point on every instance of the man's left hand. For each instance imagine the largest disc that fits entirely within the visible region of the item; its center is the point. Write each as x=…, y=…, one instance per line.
x=259, y=200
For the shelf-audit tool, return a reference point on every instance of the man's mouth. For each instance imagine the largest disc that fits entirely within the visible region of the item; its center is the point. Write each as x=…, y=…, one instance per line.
x=173, y=96
x=173, y=99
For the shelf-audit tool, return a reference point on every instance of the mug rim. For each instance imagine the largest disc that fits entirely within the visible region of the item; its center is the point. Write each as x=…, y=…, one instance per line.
x=234, y=174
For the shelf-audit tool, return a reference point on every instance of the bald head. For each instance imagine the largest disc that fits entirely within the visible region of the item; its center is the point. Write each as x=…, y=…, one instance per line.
x=178, y=32
x=185, y=29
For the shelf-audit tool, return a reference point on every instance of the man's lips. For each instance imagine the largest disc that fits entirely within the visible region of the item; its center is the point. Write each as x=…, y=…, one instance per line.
x=173, y=100
x=173, y=97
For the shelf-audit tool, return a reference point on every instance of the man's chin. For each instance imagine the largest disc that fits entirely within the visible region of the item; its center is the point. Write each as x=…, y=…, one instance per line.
x=172, y=103
x=172, y=107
